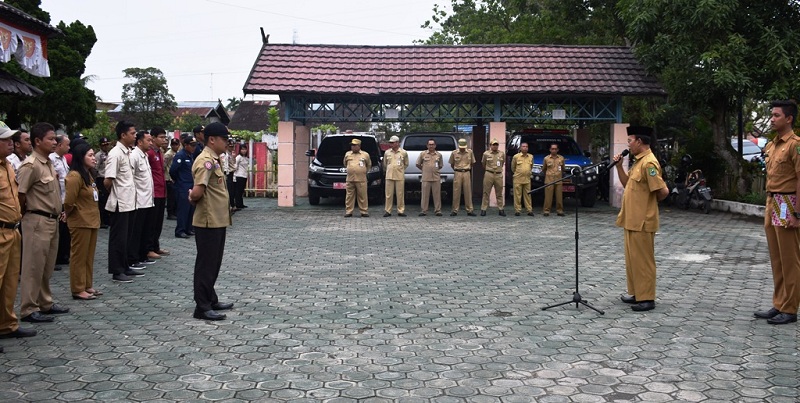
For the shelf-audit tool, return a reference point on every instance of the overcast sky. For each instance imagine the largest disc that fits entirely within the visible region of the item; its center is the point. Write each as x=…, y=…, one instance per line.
x=206, y=48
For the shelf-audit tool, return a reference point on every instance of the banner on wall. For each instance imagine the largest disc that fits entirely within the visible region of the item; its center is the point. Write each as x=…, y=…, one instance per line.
x=27, y=48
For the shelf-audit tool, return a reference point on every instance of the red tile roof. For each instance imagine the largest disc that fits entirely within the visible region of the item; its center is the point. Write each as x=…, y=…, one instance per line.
x=449, y=70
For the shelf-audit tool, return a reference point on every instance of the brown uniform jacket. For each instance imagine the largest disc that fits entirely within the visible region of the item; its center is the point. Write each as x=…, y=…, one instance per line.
x=461, y=160
x=493, y=161
x=783, y=163
x=521, y=166
x=639, y=200
x=212, y=210
x=9, y=203
x=430, y=164
x=357, y=164
x=38, y=181
x=83, y=200
x=395, y=164
x=553, y=167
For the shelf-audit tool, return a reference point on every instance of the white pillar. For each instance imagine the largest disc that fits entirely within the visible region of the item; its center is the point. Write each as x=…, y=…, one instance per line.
x=286, y=172
x=617, y=143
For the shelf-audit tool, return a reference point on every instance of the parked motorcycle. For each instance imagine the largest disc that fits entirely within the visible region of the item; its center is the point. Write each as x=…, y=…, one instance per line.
x=690, y=190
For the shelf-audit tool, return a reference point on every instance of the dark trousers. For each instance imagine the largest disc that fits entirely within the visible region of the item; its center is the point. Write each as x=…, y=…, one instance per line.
x=172, y=206
x=62, y=256
x=231, y=193
x=185, y=211
x=210, y=248
x=139, y=235
x=118, y=241
x=238, y=192
x=156, y=224
x=101, y=203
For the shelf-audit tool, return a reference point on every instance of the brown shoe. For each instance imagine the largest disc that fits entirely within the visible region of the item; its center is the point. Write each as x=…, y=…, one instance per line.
x=163, y=252
x=153, y=255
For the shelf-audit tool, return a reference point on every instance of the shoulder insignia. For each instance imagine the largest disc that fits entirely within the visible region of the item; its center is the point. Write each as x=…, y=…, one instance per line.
x=652, y=170
x=798, y=149
x=208, y=165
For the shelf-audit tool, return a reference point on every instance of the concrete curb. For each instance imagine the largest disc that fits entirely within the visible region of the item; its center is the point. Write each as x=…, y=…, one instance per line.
x=752, y=210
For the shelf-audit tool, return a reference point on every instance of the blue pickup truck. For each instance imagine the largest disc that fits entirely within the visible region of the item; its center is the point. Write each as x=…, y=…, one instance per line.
x=539, y=141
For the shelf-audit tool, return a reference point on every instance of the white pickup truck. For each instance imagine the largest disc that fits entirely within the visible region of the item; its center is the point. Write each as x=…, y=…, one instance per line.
x=415, y=144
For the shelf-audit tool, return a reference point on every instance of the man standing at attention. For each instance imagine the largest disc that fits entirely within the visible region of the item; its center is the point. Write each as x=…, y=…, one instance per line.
x=40, y=200
x=22, y=147
x=521, y=166
x=395, y=162
x=100, y=157
x=181, y=173
x=211, y=218
x=553, y=170
x=493, y=161
x=62, y=169
x=430, y=164
x=357, y=163
x=10, y=240
x=141, y=222
x=462, y=161
x=782, y=218
x=156, y=160
x=121, y=203
x=172, y=211
x=638, y=216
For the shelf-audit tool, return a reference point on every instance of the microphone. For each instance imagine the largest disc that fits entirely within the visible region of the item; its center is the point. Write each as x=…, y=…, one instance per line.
x=623, y=154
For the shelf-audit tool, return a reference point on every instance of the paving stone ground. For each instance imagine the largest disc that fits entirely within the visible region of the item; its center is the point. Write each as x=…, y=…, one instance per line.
x=418, y=309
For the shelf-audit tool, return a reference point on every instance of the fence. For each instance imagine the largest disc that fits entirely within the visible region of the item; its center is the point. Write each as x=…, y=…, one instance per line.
x=263, y=179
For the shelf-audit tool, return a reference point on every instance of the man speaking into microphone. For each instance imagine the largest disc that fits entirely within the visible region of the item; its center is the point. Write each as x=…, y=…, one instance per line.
x=644, y=188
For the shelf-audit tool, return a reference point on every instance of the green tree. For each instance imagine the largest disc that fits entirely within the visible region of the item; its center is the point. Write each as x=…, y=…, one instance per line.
x=233, y=103
x=104, y=127
x=147, y=99
x=66, y=100
x=274, y=118
x=186, y=122
x=708, y=54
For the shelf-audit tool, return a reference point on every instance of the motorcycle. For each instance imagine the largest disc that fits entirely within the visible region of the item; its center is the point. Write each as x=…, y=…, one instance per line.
x=694, y=193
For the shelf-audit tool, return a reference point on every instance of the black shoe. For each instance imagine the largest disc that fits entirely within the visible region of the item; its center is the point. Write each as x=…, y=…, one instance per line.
x=121, y=278
x=502, y=213
x=146, y=262
x=181, y=235
x=19, y=333
x=56, y=309
x=483, y=213
x=131, y=273
x=209, y=315
x=387, y=214
x=423, y=214
x=57, y=268
x=546, y=214
x=348, y=215
x=471, y=214
x=170, y=217
x=136, y=267
x=782, y=319
x=190, y=233
x=103, y=226
x=37, y=317
x=560, y=214
x=769, y=314
x=222, y=306
x=242, y=206
x=516, y=214
x=401, y=214
x=438, y=214
x=453, y=214
x=365, y=215
x=530, y=214
x=644, y=306
x=627, y=299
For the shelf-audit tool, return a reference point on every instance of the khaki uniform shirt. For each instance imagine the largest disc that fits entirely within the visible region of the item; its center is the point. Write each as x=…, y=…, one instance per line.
x=143, y=178
x=119, y=167
x=553, y=167
x=395, y=164
x=357, y=164
x=783, y=163
x=461, y=160
x=639, y=200
x=83, y=200
x=494, y=161
x=100, y=158
x=521, y=166
x=38, y=181
x=430, y=164
x=10, y=211
x=212, y=210
x=168, y=157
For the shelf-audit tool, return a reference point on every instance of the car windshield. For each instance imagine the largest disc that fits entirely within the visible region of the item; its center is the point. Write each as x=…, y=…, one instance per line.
x=332, y=149
x=420, y=143
x=541, y=145
x=748, y=147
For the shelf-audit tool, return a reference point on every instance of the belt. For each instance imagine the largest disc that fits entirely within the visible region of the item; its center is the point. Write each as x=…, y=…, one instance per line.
x=44, y=213
x=9, y=225
x=778, y=193
x=493, y=172
x=461, y=170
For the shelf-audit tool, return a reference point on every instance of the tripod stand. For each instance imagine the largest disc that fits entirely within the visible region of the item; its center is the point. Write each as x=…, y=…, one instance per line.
x=576, y=296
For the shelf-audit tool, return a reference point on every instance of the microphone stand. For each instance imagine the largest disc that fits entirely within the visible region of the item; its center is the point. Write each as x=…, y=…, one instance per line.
x=576, y=296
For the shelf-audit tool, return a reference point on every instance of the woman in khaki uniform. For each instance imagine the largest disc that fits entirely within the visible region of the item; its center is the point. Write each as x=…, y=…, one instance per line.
x=83, y=220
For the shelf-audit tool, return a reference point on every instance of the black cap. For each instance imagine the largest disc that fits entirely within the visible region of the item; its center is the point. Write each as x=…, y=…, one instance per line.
x=104, y=140
x=216, y=129
x=198, y=129
x=189, y=140
x=640, y=131
x=174, y=141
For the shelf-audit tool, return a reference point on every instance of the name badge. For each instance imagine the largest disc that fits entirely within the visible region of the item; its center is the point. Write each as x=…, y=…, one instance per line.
x=361, y=163
x=94, y=195
x=783, y=211
x=498, y=163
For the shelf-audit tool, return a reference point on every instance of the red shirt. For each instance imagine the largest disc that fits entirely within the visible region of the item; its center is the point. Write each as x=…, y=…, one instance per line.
x=156, y=161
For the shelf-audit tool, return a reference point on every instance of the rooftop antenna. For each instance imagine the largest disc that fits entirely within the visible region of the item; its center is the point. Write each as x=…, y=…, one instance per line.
x=294, y=37
x=264, y=38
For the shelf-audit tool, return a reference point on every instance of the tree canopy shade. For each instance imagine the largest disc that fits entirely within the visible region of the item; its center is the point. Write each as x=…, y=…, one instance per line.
x=147, y=98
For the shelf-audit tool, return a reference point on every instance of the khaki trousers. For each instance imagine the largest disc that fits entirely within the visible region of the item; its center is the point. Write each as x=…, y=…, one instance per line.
x=784, y=254
x=356, y=190
x=81, y=258
x=548, y=197
x=521, y=193
x=395, y=188
x=39, y=248
x=10, y=242
x=640, y=264
x=462, y=182
x=431, y=188
x=493, y=180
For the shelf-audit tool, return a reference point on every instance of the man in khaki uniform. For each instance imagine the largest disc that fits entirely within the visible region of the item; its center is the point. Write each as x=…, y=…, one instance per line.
x=553, y=168
x=638, y=216
x=395, y=162
x=493, y=161
x=430, y=163
x=10, y=240
x=521, y=166
x=40, y=200
x=357, y=163
x=211, y=218
x=783, y=229
x=461, y=161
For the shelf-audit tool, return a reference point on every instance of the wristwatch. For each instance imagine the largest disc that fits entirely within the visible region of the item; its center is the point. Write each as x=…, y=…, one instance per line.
x=796, y=215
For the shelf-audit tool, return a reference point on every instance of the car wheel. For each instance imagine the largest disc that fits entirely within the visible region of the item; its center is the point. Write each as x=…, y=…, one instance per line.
x=313, y=199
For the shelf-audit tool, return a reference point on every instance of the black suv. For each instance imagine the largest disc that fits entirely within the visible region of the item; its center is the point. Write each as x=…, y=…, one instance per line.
x=327, y=174
x=539, y=141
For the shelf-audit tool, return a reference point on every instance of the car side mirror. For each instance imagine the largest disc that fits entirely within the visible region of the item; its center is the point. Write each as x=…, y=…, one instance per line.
x=311, y=153
x=587, y=154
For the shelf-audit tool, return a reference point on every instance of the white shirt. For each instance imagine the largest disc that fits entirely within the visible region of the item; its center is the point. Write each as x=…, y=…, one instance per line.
x=142, y=178
x=242, y=166
x=122, y=195
x=14, y=160
x=62, y=169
